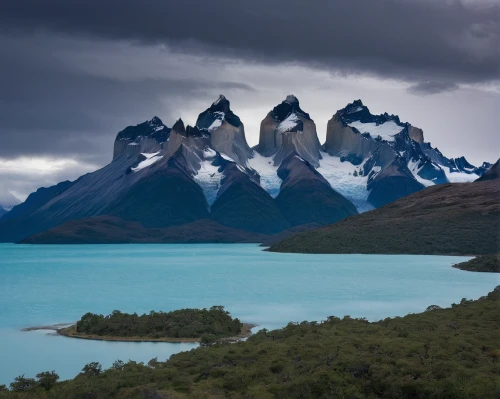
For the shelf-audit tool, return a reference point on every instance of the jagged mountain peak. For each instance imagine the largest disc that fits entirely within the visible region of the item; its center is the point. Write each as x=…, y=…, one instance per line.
x=193, y=131
x=224, y=130
x=221, y=101
x=287, y=107
x=291, y=99
x=222, y=104
x=143, y=129
x=155, y=121
x=354, y=107
x=216, y=114
x=287, y=128
x=148, y=136
x=179, y=127
x=357, y=111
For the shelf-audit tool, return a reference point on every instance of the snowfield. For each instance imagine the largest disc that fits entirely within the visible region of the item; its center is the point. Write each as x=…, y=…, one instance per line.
x=341, y=177
x=288, y=124
x=269, y=179
x=386, y=130
x=150, y=160
x=459, y=177
x=414, y=169
x=208, y=176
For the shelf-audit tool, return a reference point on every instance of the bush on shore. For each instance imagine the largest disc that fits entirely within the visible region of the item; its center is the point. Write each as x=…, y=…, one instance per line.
x=449, y=353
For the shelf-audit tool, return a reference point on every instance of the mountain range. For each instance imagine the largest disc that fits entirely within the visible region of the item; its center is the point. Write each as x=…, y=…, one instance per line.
x=204, y=183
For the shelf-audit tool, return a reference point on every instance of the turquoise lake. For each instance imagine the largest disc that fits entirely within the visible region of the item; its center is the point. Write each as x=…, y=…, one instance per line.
x=44, y=285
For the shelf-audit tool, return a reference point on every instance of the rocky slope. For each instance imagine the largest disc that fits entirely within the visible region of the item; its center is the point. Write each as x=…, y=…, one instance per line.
x=492, y=173
x=162, y=177
x=460, y=219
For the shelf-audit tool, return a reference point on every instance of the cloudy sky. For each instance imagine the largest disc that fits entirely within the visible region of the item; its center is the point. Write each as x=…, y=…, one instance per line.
x=74, y=73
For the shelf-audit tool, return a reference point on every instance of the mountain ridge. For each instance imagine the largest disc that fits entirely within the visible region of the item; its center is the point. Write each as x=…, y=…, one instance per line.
x=162, y=177
x=448, y=219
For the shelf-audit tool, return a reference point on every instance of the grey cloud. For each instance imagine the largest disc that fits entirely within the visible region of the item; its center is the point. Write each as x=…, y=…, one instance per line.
x=50, y=107
x=427, y=88
x=414, y=40
x=21, y=184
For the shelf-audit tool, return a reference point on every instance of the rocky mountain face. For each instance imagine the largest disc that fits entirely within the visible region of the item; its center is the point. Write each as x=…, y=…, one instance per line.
x=287, y=129
x=165, y=177
x=147, y=137
x=391, y=154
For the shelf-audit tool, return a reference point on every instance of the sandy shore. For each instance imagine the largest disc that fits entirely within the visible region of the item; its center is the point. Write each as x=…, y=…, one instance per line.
x=70, y=331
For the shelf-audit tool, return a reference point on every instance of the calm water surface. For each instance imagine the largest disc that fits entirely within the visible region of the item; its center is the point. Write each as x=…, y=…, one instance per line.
x=41, y=285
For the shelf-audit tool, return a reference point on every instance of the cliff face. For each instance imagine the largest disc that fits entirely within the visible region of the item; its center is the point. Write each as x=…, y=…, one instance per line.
x=288, y=129
x=226, y=131
x=149, y=136
x=343, y=141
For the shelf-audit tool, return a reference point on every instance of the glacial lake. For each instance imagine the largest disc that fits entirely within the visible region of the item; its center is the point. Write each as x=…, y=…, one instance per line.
x=44, y=285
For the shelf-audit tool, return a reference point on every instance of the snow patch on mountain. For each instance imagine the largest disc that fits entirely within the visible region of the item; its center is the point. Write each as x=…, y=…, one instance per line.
x=269, y=179
x=414, y=168
x=220, y=116
x=385, y=130
x=151, y=158
x=224, y=156
x=345, y=179
x=354, y=110
x=288, y=124
x=209, y=179
x=459, y=177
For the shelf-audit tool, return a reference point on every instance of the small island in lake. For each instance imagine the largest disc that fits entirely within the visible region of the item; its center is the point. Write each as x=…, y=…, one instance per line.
x=184, y=325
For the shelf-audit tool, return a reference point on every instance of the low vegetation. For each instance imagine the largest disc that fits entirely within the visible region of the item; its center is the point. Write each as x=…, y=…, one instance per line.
x=185, y=323
x=447, y=219
x=441, y=353
x=483, y=263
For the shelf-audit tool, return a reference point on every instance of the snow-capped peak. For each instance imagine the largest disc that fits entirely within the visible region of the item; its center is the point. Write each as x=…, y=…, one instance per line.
x=221, y=98
x=354, y=107
x=155, y=121
x=179, y=126
x=291, y=99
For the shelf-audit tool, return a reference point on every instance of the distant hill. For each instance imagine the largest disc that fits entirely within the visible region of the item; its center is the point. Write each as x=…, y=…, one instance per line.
x=448, y=219
x=112, y=230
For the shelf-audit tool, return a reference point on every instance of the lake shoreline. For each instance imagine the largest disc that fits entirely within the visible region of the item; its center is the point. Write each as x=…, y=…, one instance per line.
x=70, y=332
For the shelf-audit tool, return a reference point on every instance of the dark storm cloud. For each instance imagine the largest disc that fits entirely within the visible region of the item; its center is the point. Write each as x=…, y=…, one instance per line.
x=48, y=107
x=419, y=40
